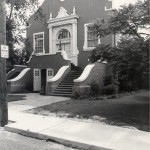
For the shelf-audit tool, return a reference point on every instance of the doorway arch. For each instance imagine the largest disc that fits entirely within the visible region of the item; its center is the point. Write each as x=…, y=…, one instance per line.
x=66, y=25
x=64, y=41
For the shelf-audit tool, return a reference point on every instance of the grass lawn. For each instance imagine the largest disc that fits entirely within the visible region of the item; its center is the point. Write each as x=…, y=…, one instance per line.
x=15, y=97
x=128, y=110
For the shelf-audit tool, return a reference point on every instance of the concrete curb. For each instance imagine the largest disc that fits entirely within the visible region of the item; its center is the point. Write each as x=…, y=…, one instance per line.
x=65, y=142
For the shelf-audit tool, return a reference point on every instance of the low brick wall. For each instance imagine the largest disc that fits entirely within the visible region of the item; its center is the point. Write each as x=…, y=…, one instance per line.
x=24, y=84
x=48, y=61
x=15, y=71
x=96, y=75
x=51, y=86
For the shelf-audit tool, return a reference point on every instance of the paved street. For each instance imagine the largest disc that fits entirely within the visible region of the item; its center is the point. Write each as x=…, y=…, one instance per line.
x=12, y=141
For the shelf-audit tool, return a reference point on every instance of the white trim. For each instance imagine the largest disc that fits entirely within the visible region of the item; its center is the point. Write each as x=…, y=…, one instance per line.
x=23, y=72
x=64, y=21
x=36, y=79
x=85, y=47
x=62, y=13
x=85, y=73
x=59, y=74
x=42, y=54
x=115, y=39
x=64, y=54
x=10, y=72
x=20, y=66
x=47, y=74
x=108, y=9
x=34, y=43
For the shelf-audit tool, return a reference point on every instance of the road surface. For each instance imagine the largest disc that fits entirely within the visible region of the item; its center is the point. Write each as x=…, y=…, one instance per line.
x=12, y=141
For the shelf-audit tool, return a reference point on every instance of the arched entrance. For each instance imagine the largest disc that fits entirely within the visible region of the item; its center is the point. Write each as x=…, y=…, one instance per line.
x=63, y=34
x=64, y=41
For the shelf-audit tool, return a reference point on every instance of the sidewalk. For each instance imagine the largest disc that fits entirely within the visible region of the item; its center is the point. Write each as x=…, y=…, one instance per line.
x=71, y=132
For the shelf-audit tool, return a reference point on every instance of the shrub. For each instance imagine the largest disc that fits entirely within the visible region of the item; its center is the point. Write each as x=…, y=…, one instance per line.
x=76, y=95
x=110, y=86
x=95, y=90
x=110, y=89
x=129, y=60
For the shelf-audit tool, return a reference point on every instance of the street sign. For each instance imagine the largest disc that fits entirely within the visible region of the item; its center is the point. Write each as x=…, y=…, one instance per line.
x=4, y=51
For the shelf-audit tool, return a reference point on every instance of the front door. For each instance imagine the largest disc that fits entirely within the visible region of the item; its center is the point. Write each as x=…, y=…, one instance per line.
x=37, y=80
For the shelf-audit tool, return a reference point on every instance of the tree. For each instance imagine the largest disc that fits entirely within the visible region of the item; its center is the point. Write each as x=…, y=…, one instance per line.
x=127, y=20
x=129, y=60
x=18, y=13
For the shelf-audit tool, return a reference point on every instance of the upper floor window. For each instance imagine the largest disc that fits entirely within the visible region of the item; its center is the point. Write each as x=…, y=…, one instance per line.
x=38, y=42
x=64, y=38
x=90, y=39
x=64, y=34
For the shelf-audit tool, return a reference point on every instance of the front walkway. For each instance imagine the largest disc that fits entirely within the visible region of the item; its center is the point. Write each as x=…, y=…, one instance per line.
x=71, y=132
x=33, y=100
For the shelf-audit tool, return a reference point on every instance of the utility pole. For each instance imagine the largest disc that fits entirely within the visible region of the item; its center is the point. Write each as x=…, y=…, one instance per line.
x=3, y=84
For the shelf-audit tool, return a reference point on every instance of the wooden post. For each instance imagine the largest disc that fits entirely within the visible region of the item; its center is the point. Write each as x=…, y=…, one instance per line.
x=3, y=84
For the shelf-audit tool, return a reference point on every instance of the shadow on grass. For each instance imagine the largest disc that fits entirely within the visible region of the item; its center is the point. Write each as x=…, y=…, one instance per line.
x=15, y=97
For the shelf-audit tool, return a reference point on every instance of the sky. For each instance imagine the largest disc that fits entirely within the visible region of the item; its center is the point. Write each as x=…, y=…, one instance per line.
x=118, y=3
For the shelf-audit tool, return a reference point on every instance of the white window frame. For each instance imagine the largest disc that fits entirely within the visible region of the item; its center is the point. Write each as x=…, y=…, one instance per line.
x=34, y=34
x=85, y=47
x=110, y=9
x=47, y=73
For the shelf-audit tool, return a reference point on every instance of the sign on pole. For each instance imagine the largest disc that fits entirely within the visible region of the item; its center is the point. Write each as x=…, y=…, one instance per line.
x=4, y=51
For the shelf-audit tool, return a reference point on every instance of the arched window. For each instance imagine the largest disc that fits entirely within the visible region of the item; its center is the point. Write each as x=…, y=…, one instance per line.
x=64, y=34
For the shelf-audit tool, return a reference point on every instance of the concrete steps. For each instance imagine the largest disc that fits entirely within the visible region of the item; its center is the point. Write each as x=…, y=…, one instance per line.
x=66, y=85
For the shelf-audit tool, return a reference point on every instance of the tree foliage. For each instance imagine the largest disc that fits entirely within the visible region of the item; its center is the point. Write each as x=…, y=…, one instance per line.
x=129, y=60
x=127, y=20
x=17, y=15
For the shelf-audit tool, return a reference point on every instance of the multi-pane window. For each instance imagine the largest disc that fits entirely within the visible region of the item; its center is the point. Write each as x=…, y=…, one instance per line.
x=92, y=39
x=39, y=42
x=63, y=40
x=64, y=34
x=50, y=72
x=37, y=73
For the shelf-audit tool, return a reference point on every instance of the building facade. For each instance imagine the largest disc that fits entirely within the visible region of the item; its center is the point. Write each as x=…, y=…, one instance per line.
x=65, y=39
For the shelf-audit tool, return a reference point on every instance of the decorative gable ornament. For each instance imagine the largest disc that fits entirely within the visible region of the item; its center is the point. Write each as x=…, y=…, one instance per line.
x=50, y=16
x=74, y=11
x=62, y=13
